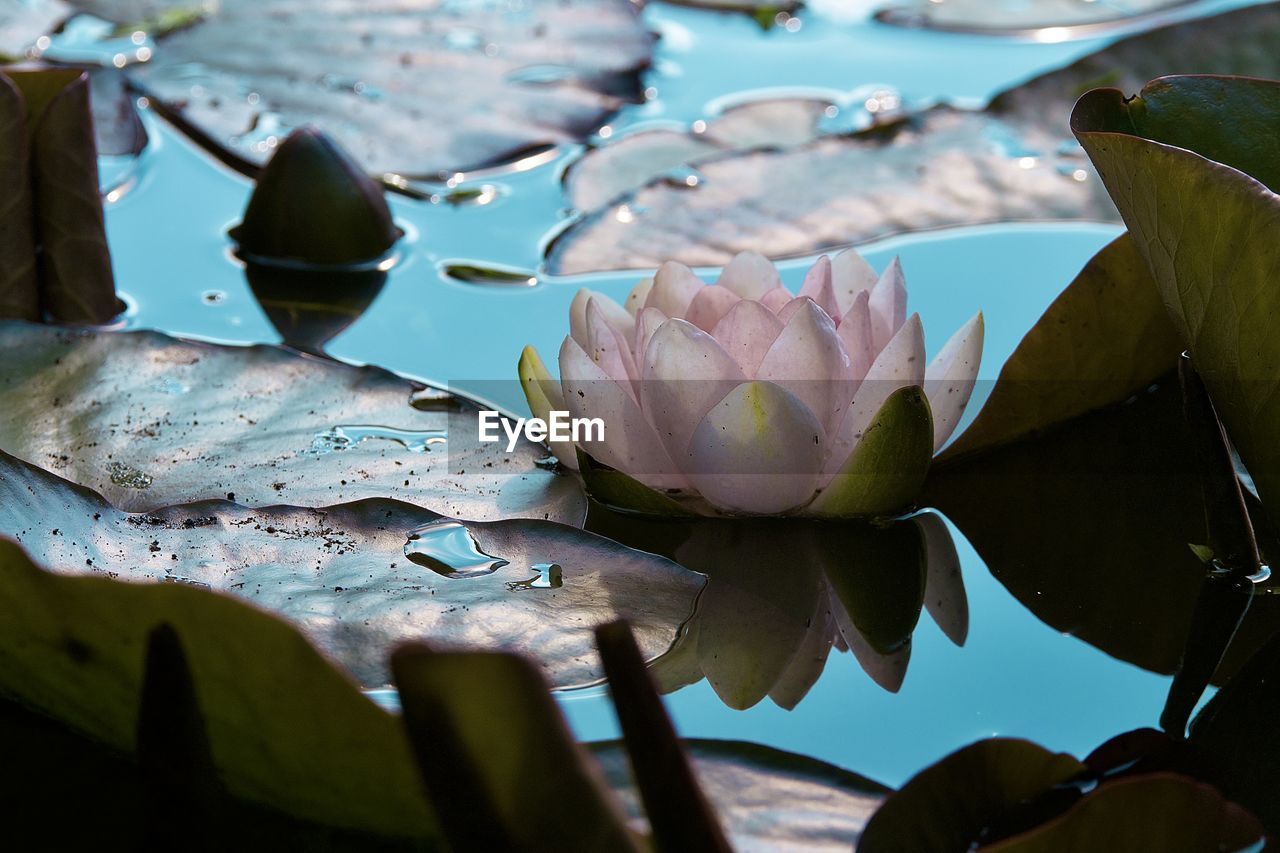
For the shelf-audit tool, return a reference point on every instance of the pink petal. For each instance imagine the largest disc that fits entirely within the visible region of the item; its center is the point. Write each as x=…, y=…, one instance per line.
x=888, y=305
x=608, y=349
x=776, y=299
x=636, y=298
x=850, y=275
x=758, y=450
x=685, y=373
x=948, y=380
x=710, y=305
x=899, y=365
x=809, y=361
x=818, y=287
x=750, y=275
x=613, y=313
x=746, y=333
x=855, y=334
x=674, y=287
x=630, y=444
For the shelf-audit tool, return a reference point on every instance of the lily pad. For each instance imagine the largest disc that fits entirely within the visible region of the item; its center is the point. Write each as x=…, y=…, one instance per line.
x=1011, y=795
x=1191, y=164
x=21, y=23
x=766, y=799
x=1088, y=525
x=411, y=87
x=344, y=575
x=938, y=168
x=74, y=648
x=150, y=421
x=1015, y=16
x=1104, y=339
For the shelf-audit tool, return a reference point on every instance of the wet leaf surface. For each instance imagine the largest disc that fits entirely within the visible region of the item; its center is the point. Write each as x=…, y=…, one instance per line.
x=73, y=650
x=342, y=574
x=766, y=799
x=1015, y=15
x=1191, y=164
x=939, y=168
x=149, y=421
x=412, y=87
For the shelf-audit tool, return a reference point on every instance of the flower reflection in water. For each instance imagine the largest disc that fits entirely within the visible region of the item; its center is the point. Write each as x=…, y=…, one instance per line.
x=784, y=592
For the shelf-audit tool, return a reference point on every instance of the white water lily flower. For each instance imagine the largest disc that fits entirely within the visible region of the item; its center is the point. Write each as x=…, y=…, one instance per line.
x=751, y=398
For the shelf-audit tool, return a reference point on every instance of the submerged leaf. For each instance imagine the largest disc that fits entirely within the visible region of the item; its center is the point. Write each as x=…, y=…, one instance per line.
x=21, y=23
x=148, y=421
x=352, y=579
x=810, y=190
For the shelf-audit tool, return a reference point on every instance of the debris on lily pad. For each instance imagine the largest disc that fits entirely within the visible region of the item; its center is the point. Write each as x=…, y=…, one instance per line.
x=906, y=171
x=360, y=578
x=148, y=421
x=409, y=87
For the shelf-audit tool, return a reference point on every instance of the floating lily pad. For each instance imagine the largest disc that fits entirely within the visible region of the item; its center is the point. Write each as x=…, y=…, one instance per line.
x=24, y=21
x=943, y=167
x=150, y=421
x=1016, y=15
x=343, y=574
x=412, y=87
x=766, y=799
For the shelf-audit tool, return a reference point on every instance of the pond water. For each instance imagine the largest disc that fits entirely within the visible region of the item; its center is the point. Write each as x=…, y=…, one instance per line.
x=1014, y=675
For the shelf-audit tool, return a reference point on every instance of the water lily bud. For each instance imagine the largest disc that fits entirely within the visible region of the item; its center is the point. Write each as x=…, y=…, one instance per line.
x=742, y=398
x=314, y=205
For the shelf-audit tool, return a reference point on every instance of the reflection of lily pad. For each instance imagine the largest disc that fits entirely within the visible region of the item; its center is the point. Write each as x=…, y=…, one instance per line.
x=767, y=799
x=341, y=573
x=413, y=87
x=943, y=167
x=150, y=421
x=1016, y=15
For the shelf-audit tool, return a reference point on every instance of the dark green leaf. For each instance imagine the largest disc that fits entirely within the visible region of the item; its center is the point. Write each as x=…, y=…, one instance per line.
x=1175, y=161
